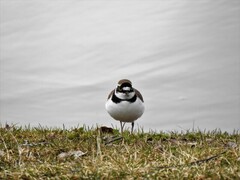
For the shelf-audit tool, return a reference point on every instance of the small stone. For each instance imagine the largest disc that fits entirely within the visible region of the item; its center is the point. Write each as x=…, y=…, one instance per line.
x=231, y=144
x=105, y=129
x=192, y=144
x=2, y=153
x=150, y=140
x=76, y=154
x=63, y=155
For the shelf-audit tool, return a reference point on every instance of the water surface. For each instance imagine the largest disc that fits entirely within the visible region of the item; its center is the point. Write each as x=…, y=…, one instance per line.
x=60, y=59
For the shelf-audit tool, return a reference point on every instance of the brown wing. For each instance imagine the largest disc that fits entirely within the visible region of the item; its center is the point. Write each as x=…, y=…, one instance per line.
x=111, y=93
x=139, y=94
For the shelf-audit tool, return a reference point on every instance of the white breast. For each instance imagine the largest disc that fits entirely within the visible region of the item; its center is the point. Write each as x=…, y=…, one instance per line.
x=125, y=111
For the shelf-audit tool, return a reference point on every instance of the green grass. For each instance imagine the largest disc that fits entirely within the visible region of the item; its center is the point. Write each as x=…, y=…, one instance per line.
x=34, y=153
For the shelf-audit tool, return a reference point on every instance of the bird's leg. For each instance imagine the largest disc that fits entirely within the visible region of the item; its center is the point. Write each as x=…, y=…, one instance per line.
x=132, y=127
x=122, y=126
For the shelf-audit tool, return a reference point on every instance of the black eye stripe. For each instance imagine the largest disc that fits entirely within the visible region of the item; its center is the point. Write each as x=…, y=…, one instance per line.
x=126, y=85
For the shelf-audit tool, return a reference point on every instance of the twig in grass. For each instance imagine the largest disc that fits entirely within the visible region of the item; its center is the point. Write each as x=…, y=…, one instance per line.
x=5, y=146
x=198, y=162
x=207, y=159
x=19, y=149
x=113, y=139
x=26, y=143
x=99, y=152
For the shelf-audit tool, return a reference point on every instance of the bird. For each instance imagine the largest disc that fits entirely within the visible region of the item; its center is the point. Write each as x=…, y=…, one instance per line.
x=125, y=103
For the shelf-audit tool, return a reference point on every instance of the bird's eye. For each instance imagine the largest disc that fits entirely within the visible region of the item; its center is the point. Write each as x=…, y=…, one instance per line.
x=119, y=89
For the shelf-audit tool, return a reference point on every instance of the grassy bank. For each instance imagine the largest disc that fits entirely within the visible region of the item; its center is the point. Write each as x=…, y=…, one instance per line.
x=41, y=153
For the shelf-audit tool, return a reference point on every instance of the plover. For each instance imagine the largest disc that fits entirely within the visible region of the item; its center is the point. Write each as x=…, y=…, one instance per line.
x=125, y=103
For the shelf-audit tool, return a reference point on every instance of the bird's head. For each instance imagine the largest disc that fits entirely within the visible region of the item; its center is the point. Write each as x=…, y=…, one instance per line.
x=125, y=88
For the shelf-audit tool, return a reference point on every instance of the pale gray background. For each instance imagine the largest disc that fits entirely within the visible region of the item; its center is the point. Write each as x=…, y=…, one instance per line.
x=60, y=59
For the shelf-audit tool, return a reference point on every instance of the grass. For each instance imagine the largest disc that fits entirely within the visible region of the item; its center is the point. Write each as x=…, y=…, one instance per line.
x=42, y=153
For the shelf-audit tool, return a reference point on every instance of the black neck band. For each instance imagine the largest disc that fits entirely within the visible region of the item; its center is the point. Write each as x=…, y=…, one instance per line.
x=118, y=100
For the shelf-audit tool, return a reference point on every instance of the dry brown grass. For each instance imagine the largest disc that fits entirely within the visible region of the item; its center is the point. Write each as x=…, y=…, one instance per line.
x=34, y=153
